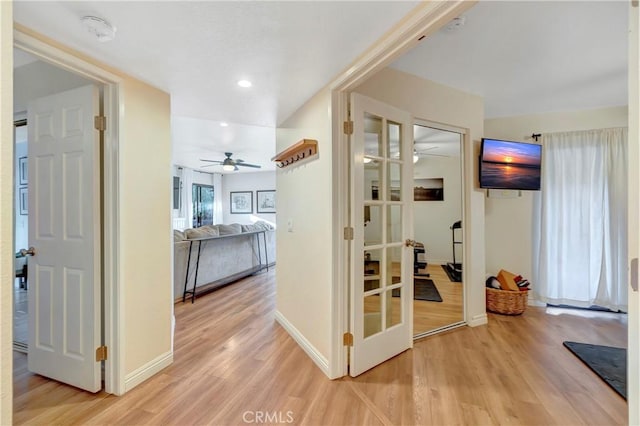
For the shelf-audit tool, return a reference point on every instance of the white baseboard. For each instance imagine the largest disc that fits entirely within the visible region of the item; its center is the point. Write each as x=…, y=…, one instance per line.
x=477, y=320
x=533, y=302
x=317, y=357
x=146, y=371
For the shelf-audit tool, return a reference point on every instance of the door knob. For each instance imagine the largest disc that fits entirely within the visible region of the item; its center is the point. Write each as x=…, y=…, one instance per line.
x=31, y=251
x=410, y=243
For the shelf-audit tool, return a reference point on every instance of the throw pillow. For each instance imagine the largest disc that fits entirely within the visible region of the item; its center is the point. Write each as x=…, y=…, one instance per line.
x=234, y=228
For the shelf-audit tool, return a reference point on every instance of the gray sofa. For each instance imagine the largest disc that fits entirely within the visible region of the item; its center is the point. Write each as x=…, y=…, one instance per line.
x=231, y=254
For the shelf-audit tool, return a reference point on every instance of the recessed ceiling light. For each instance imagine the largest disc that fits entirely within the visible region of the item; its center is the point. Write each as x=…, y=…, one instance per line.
x=223, y=124
x=244, y=83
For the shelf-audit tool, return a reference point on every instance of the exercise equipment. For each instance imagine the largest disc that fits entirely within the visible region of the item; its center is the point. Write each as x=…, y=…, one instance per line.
x=455, y=268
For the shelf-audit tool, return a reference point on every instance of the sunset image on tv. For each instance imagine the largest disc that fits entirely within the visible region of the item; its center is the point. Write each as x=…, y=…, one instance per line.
x=510, y=165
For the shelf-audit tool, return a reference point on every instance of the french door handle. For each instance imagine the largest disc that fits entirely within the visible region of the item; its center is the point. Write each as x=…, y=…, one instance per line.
x=410, y=243
x=31, y=251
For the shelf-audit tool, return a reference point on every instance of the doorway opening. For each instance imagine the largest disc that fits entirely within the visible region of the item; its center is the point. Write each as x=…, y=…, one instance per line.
x=69, y=71
x=438, y=189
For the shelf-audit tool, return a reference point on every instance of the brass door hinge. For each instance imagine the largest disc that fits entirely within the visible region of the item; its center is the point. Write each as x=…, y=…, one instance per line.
x=101, y=353
x=348, y=233
x=100, y=122
x=347, y=339
x=348, y=127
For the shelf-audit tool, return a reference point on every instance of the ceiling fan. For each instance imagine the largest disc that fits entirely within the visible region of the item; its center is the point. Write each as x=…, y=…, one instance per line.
x=229, y=164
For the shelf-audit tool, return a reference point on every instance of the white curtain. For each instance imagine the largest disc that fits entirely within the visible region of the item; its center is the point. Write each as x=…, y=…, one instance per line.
x=581, y=253
x=187, y=192
x=217, y=198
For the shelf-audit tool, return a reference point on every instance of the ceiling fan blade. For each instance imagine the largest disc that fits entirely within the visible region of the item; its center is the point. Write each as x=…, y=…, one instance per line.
x=211, y=161
x=209, y=165
x=248, y=165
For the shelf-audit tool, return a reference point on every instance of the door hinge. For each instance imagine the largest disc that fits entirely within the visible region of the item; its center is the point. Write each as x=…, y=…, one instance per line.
x=101, y=353
x=348, y=233
x=347, y=339
x=348, y=127
x=100, y=122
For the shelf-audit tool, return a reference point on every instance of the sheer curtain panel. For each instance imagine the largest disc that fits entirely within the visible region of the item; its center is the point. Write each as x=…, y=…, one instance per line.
x=582, y=243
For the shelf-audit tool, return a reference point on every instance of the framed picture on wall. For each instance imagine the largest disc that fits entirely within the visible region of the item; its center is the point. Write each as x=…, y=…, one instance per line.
x=431, y=189
x=22, y=171
x=241, y=202
x=24, y=201
x=266, y=201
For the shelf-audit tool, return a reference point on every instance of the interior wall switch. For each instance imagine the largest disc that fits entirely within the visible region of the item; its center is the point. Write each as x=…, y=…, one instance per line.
x=290, y=225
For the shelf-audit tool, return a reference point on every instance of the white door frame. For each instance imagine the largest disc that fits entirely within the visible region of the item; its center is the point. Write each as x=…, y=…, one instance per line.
x=423, y=20
x=112, y=293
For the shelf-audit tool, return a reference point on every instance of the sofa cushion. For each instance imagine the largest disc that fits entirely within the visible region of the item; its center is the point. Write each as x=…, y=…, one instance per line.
x=178, y=235
x=250, y=228
x=202, y=232
x=234, y=228
x=264, y=225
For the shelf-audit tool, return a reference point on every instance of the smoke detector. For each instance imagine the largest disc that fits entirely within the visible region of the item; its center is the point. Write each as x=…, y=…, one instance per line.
x=455, y=24
x=100, y=28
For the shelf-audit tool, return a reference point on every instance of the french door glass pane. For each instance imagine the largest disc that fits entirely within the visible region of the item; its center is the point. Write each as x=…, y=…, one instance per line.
x=372, y=315
x=393, y=182
x=373, y=135
x=394, y=307
x=373, y=226
x=395, y=144
x=372, y=180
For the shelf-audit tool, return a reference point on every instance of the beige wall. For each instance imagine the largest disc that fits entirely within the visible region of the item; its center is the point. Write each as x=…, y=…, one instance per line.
x=145, y=224
x=144, y=218
x=6, y=212
x=437, y=103
x=304, y=256
x=509, y=221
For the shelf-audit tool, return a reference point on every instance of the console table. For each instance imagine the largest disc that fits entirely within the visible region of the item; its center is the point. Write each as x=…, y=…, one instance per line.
x=234, y=277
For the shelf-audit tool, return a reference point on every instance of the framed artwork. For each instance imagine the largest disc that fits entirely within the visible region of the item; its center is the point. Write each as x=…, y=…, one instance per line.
x=23, y=172
x=24, y=201
x=428, y=189
x=241, y=202
x=266, y=201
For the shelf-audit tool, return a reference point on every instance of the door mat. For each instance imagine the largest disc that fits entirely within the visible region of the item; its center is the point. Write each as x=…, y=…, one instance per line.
x=607, y=362
x=423, y=289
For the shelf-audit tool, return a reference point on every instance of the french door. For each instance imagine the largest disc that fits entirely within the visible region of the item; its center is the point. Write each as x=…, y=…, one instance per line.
x=381, y=215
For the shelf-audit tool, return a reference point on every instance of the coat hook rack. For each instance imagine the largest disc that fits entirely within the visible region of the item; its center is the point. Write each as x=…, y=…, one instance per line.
x=535, y=136
x=301, y=150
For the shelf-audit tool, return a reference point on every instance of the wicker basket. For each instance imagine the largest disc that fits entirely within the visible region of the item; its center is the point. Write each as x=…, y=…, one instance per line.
x=506, y=302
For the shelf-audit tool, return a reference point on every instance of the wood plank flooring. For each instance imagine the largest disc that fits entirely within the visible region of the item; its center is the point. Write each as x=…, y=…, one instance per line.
x=429, y=316
x=235, y=365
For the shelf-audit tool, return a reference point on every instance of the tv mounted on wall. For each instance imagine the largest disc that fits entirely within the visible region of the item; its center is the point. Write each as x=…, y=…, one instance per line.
x=510, y=165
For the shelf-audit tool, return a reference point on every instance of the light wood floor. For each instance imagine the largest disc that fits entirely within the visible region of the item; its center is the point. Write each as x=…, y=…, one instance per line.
x=429, y=316
x=233, y=361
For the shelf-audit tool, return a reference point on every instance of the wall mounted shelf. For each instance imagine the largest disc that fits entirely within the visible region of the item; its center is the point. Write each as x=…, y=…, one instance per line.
x=301, y=150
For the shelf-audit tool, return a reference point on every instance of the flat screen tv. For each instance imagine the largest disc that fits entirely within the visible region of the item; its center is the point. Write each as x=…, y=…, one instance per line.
x=510, y=165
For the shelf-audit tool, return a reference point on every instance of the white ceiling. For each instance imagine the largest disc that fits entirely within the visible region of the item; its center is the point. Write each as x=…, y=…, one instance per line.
x=531, y=57
x=522, y=57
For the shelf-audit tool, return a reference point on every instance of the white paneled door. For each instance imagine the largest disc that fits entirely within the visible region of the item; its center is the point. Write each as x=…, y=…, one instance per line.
x=64, y=230
x=382, y=249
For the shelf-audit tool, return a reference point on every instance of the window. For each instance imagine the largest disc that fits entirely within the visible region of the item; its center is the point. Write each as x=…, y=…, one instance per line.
x=202, y=205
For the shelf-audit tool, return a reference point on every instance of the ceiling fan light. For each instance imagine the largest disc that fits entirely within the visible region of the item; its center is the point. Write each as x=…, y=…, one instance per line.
x=228, y=167
x=415, y=158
